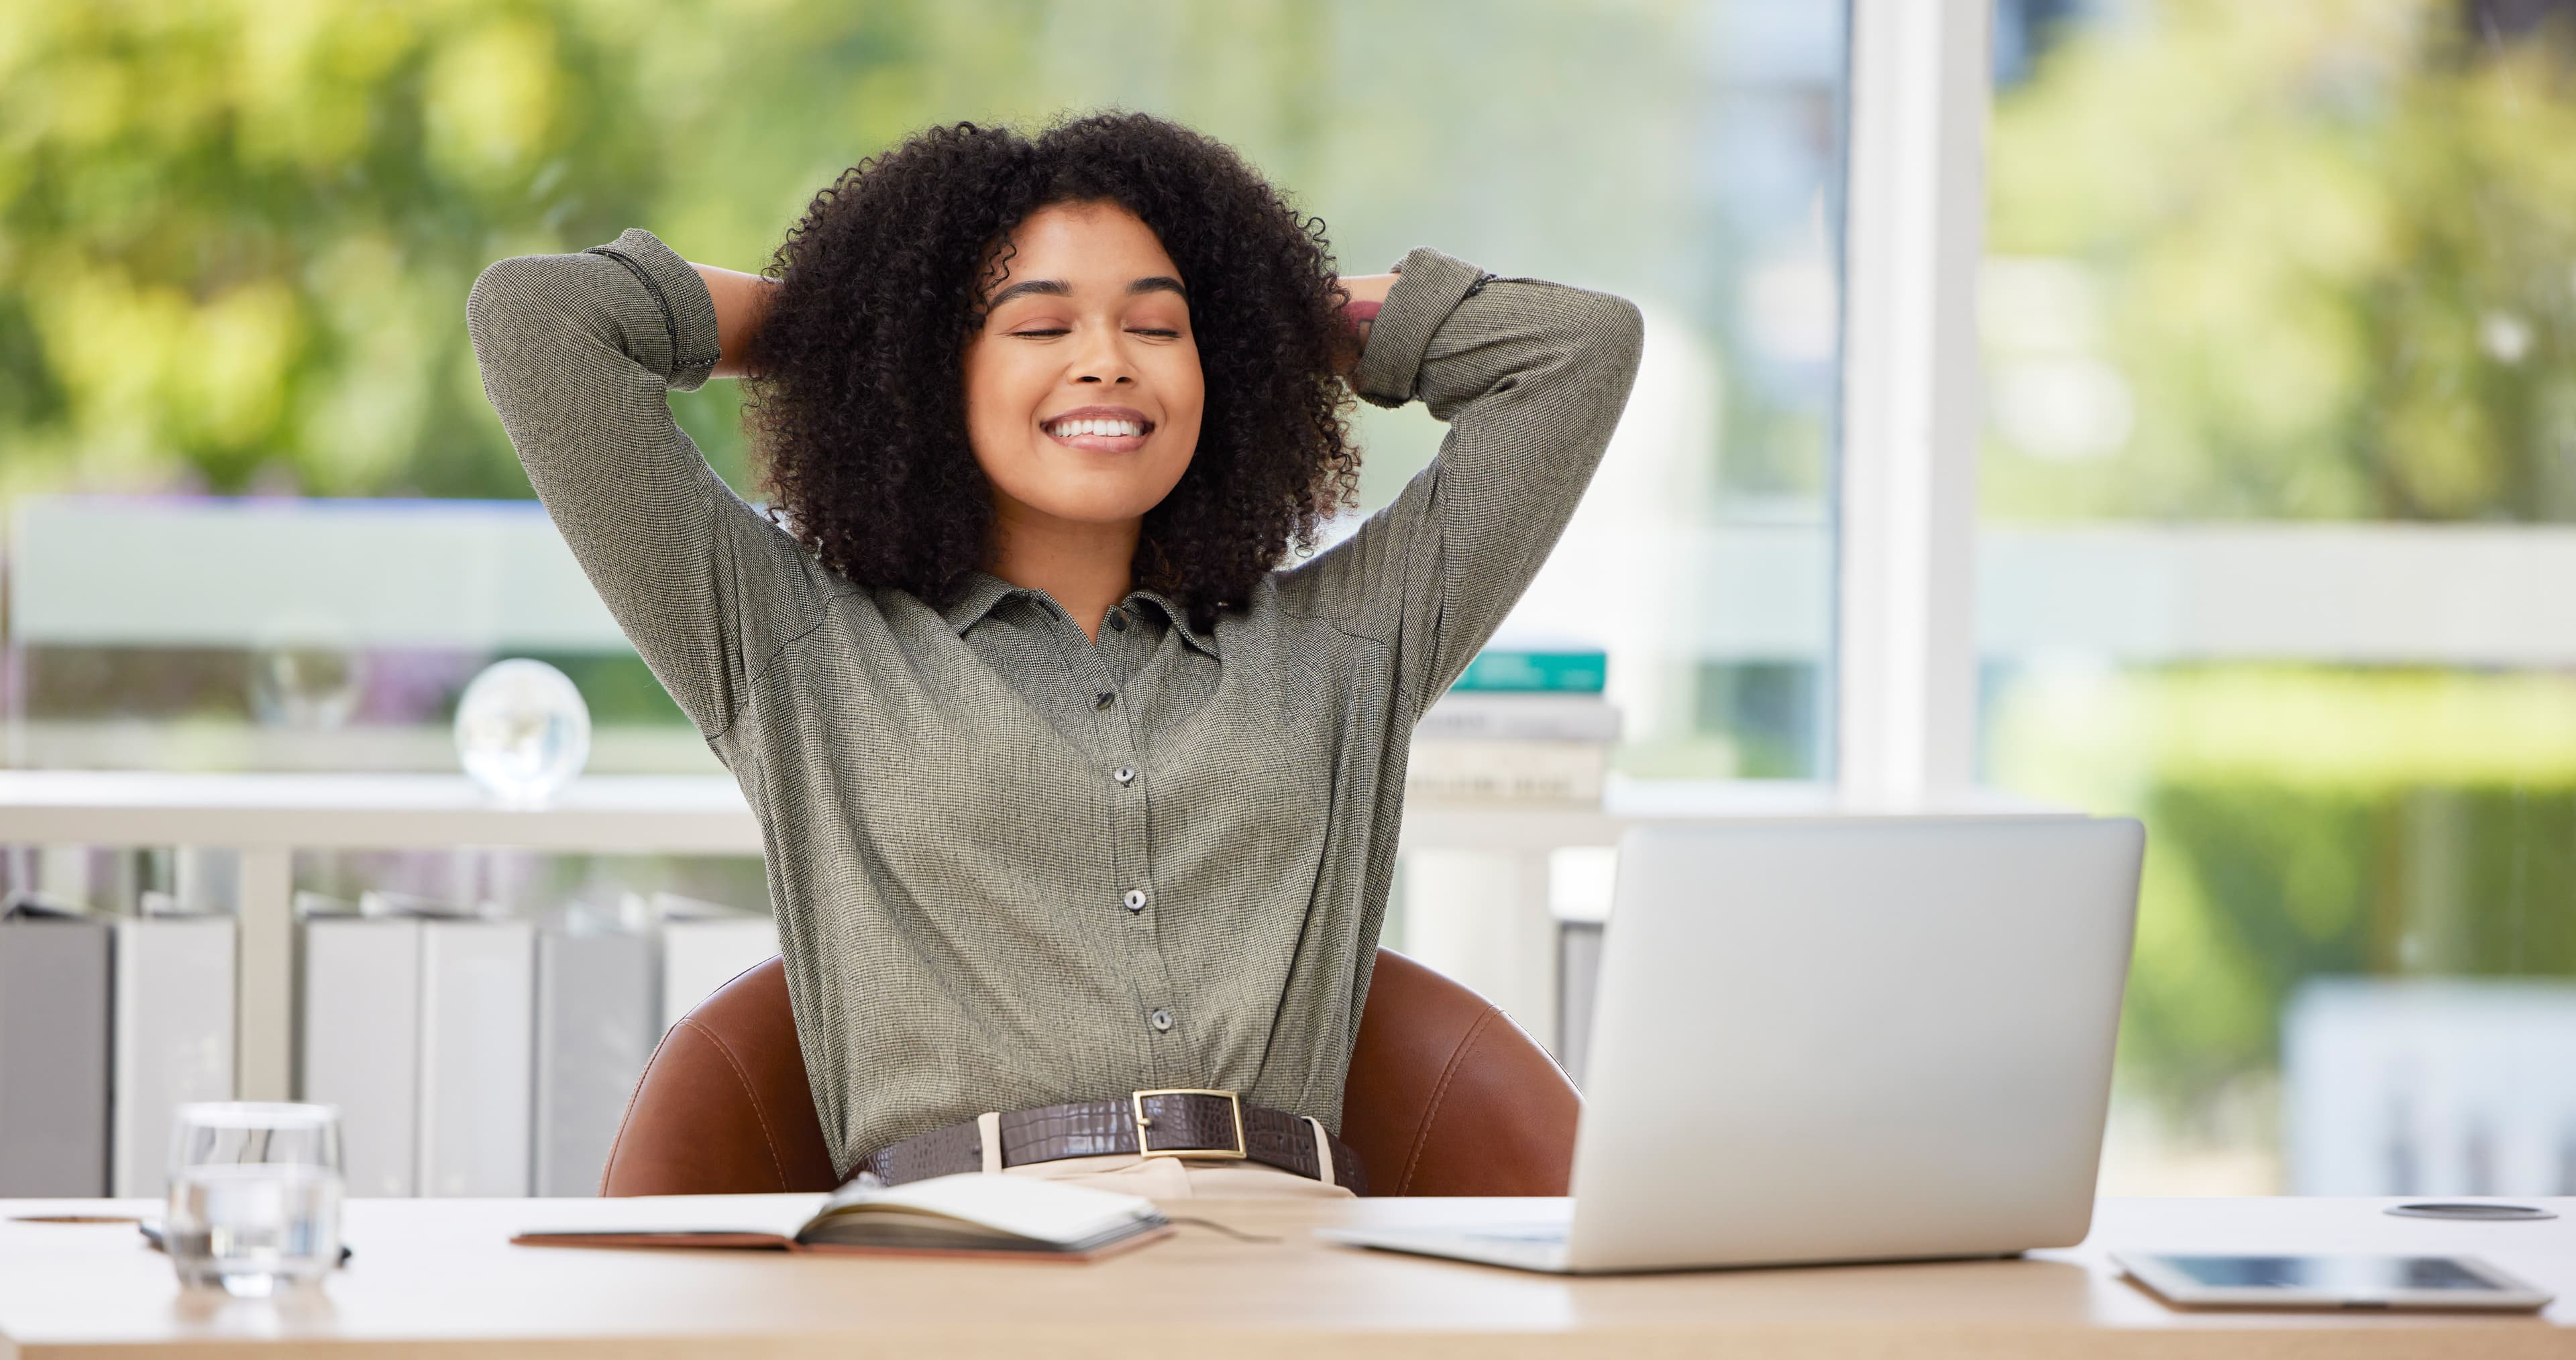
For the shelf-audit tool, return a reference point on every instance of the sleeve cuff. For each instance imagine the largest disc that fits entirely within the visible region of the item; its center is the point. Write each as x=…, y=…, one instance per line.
x=1428, y=287
x=689, y=350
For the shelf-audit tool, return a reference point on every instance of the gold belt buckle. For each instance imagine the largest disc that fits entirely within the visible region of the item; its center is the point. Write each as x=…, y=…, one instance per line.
x=1136, y=1101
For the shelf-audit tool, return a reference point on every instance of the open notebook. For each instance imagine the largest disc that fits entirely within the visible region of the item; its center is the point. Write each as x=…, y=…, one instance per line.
x=970, y=1214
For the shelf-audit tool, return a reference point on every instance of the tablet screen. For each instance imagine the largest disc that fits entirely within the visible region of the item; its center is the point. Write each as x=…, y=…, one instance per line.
x=2332, y=1273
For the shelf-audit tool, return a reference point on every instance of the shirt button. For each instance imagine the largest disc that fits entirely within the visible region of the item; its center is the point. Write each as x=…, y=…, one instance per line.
x=1118, y=619
x=1124, y=774
x=1161, y=1018
x=1104, y=699
x=1135, y=899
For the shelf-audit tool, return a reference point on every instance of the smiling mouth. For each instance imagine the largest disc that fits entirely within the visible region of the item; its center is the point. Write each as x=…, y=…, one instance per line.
x=1104, y=434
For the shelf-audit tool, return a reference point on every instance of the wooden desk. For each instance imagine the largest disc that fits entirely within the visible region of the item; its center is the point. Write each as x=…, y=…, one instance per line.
x=438, y=1274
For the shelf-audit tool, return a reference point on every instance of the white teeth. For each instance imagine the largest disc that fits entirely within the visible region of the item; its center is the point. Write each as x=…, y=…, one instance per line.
x=1070, y=428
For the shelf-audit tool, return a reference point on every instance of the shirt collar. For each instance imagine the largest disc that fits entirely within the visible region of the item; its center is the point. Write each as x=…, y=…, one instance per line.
x=984, y=591
x=1177, y=617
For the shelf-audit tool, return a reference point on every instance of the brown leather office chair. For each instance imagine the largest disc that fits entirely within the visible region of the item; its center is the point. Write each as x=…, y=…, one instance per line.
x=1446, y=1097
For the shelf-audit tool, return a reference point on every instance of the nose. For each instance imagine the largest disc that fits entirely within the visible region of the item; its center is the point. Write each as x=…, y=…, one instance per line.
x=1103, y=358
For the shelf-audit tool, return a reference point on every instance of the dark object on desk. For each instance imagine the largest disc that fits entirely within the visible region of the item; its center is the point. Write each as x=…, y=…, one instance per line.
x=1445, y=1097
x=152, y=1234
x=2482, y=1213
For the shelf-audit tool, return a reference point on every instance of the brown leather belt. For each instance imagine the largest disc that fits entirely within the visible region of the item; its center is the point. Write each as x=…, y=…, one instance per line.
x=1194, y=1124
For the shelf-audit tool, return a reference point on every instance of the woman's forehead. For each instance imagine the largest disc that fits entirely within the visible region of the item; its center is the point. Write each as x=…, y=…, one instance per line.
x=1085, y=246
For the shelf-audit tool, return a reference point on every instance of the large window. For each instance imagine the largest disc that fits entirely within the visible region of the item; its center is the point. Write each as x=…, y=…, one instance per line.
x=2277, y=483
x=239, y=245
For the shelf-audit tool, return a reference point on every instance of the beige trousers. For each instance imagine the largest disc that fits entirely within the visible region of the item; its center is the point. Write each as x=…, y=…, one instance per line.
x=1174, y=1178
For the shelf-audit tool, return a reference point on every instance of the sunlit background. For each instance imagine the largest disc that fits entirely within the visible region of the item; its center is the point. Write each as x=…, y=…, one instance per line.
x=2280, y=418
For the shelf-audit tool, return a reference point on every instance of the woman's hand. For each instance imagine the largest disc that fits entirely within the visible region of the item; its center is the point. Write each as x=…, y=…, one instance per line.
x=741, y=300
x=1367, y=292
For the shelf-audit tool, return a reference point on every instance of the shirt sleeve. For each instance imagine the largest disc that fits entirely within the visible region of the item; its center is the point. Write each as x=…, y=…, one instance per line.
x=578, y=353
x=1530, y=377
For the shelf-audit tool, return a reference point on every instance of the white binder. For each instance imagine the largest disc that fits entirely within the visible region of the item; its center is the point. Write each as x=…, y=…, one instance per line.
x=477, y=1002
x=701, y=955
x=174, y=1037
x=53, y=1056
x=596, y=1009
x=361, y=1043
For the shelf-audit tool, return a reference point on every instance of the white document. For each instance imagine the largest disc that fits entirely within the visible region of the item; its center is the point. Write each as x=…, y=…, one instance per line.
x=477, y=1007
x=596, y=1013
x=699, y=956
x=361, y=1044
x=174, y=1037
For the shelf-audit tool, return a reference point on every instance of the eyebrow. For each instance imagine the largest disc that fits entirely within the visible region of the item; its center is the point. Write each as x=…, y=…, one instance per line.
x=1152, y=283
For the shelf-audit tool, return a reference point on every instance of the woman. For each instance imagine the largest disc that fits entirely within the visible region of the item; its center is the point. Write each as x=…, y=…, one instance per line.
x=1068, y=789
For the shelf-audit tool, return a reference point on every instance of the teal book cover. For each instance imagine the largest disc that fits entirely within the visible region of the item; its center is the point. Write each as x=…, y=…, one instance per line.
x=1554, y=671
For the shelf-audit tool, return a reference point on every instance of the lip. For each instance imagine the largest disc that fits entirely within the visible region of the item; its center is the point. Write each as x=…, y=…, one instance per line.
x=1100, y=443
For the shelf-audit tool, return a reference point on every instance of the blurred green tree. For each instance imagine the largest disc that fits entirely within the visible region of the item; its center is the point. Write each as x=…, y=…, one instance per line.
x=234, y=236
x=2325, y=249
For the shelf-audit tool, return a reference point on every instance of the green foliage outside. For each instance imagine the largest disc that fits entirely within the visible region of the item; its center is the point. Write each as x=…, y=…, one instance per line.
x=2330, y=248
x=236, y=235
x=2306, y=821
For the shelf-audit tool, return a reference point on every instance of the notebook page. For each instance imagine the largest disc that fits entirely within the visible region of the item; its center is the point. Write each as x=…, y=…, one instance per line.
x=778, y=1214
x=1046, y=1211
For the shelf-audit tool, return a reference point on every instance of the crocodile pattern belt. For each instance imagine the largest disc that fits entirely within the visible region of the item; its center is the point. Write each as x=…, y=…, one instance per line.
x=1193, y=1124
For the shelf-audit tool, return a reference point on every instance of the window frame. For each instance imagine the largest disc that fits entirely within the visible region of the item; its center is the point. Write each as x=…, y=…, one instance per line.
x=1904, y=648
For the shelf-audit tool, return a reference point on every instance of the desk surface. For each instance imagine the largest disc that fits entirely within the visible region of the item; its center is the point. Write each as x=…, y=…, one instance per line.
x=439, y=1273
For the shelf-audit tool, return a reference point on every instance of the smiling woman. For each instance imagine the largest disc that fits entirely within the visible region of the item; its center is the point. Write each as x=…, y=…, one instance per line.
x=1083, y=400
x=1075, y=799
x=1011, y=262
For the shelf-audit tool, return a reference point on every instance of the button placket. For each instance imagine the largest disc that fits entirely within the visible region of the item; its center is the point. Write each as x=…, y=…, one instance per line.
x=1120, y=741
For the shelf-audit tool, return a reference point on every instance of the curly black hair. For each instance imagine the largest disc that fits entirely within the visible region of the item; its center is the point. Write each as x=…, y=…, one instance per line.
x=858, y=410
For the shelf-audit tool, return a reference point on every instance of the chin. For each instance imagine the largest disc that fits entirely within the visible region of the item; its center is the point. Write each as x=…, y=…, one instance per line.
x=1117, y=497
x=1091, y=504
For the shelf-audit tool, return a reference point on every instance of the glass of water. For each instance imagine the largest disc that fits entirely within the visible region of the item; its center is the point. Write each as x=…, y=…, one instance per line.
x=254, y=1195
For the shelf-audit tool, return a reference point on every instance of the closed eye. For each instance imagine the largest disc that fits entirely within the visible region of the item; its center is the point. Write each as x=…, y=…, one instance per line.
x=1169, y=335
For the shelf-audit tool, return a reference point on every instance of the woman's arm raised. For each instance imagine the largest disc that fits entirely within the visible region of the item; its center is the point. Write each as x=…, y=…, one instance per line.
x=579, y=353
x=1531, y=377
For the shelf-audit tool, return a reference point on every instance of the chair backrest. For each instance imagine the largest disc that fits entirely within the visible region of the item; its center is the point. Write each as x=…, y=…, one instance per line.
x=1446, y=1097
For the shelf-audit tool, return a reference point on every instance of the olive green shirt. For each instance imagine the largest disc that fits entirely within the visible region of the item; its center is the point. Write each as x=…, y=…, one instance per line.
x=1011, y=866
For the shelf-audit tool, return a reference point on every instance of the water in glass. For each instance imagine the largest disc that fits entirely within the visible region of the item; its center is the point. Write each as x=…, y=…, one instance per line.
x=254, y=1195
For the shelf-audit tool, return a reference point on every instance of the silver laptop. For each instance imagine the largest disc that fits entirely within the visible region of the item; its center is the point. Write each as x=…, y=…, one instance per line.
x=1849, y=1040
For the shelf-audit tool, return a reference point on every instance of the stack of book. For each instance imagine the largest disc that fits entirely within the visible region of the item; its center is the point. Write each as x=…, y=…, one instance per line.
x=1523, y=724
